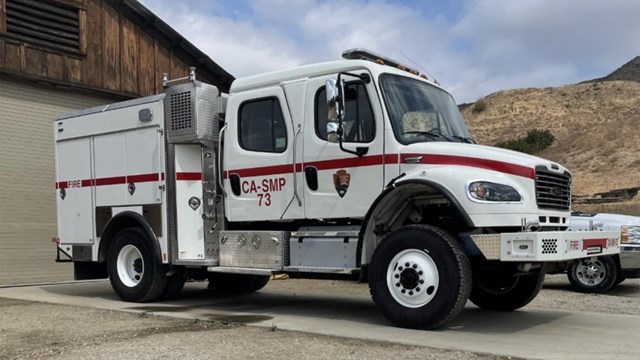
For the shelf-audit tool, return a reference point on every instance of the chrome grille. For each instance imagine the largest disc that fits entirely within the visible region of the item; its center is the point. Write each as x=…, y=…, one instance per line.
x=553, y=190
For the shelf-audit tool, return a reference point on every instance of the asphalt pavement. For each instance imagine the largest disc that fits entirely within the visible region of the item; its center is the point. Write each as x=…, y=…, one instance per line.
x=530, y=333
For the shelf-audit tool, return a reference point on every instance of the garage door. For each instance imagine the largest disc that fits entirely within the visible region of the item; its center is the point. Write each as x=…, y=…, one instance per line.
x=27, y=194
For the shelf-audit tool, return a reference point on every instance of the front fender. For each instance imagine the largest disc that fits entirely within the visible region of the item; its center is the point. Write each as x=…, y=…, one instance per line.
x=379, y=220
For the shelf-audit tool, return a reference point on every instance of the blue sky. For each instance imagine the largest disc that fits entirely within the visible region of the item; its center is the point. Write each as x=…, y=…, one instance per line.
x=473, y=47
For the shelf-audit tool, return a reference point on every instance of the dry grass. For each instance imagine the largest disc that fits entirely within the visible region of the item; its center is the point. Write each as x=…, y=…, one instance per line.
x=627, y=207
x=596, y=126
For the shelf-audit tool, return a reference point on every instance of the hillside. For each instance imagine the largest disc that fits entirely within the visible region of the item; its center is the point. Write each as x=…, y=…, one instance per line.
x=627, y=72
x=596, y=126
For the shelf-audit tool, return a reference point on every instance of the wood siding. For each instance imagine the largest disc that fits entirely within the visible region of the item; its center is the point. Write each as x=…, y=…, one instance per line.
x=115, y=54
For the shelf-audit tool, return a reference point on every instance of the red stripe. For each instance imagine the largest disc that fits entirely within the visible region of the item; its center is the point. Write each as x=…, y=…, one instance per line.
x=140, y=178
x=587, y=243
x=193, y=176
x=494, y=165
x=388, y=159
x=346, y=163
x=320, y=165
x=108, y=181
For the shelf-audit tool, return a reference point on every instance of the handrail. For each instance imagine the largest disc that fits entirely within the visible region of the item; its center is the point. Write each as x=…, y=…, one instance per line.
x=295, y=172
x=220, y=171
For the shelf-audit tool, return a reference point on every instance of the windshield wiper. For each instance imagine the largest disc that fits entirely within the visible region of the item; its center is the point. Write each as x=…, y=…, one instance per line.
x=430, y=133
x=464, y=139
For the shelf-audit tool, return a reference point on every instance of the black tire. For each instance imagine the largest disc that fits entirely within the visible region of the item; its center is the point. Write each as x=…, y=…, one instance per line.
x=151, y=278
x=175, y=283
x=441, y=268
x=596, y=277
x=237, y=283
x=505, y=291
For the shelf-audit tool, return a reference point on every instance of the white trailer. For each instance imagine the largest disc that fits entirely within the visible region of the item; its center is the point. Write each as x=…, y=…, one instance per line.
x=358, y=169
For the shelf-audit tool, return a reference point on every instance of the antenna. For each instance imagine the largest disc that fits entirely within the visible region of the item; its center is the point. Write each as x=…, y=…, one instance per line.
x=416, y=64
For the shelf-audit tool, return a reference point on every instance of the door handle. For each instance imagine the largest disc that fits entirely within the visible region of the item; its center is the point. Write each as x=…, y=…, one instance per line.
x=311, y=175
x=412, y=160
x=234, y=179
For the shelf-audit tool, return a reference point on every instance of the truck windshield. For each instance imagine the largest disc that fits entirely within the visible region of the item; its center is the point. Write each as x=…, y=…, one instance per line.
x=421, y=112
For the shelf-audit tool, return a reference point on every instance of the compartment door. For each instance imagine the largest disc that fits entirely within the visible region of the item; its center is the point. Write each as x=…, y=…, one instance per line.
x=75, y=192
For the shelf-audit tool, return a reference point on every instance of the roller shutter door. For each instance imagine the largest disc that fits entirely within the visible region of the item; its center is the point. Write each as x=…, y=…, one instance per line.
x=27, y=195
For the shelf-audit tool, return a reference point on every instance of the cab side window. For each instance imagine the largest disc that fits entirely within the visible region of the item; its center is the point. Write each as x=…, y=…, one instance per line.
x=358, y=123
x=261, y=126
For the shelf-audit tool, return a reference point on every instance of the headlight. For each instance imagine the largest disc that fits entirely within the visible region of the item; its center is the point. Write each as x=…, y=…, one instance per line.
x=630, y=234
x=487, y=191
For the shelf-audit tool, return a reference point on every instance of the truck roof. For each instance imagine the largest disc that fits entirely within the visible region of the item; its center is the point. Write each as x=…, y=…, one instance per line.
x=312, y=70
x=109, y=107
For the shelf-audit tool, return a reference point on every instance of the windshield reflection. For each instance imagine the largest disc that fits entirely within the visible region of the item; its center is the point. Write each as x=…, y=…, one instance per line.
x=421, y=112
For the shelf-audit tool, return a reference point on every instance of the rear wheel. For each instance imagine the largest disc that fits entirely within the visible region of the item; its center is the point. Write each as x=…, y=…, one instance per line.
x=136, y=274
x=419, y=277
x=237, y=283
x=175, y=283
x=505, y=291
x=593, y=276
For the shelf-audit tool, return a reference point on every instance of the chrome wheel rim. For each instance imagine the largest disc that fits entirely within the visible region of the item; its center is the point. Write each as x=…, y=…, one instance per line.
x=412, y=278
x=590, y=273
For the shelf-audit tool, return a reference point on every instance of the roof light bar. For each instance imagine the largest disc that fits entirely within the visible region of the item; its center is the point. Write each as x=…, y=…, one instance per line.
x=364, y=54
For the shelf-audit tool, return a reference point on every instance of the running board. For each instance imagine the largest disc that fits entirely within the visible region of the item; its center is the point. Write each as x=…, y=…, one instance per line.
x=241, y=270
x=203, y=262
x=298, y=269
x=321, y=270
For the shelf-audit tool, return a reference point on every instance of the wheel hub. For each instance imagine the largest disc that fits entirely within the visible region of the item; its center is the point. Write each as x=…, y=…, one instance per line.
x=412, y=278
x=137, y=265
x=591, y=271
x=409, y=278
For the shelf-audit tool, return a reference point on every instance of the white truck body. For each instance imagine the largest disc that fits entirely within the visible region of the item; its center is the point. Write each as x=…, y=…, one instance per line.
x=217, y=189
x=600, y=274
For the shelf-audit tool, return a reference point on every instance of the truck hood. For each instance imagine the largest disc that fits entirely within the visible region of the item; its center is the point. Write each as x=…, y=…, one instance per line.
x=473, y=155
x=581, y=221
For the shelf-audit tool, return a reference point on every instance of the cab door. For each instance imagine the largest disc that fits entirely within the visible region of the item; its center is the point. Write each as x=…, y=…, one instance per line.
x=258, y=155
x=340, y=184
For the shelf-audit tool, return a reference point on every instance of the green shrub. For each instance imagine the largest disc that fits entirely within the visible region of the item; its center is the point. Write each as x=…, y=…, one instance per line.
x=479, y=106
x=535, y=141
x=540, y=139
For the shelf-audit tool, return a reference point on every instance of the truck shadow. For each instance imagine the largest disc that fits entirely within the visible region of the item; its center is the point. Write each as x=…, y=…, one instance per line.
x=628, y=288
x=270, y=307
x=267, y=306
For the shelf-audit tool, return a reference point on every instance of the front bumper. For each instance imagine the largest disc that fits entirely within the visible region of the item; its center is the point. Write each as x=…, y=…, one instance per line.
x=547, y=246
x=630, y=257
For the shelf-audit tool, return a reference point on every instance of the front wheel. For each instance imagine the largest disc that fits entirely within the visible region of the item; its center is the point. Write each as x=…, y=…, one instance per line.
x=505, y=291
x=419, y=277
x=135, y=272
x=593, y=276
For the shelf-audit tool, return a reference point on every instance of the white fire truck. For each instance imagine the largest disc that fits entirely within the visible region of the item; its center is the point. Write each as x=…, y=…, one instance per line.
x=357, y=169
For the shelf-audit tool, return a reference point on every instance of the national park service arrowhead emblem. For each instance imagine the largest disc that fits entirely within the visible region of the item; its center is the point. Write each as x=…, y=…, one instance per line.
x=341, y=181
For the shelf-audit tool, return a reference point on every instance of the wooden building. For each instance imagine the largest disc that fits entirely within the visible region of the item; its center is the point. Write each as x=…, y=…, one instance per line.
x=57, y=56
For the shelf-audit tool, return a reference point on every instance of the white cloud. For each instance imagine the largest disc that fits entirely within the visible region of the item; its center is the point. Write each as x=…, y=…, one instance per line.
x=493, y=44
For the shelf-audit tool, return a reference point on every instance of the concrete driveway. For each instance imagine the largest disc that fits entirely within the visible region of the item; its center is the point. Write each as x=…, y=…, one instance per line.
x=529, y=333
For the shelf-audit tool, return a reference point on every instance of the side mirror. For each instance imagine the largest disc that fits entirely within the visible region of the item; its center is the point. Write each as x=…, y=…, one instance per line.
x=333, y=110
x=332, y=132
